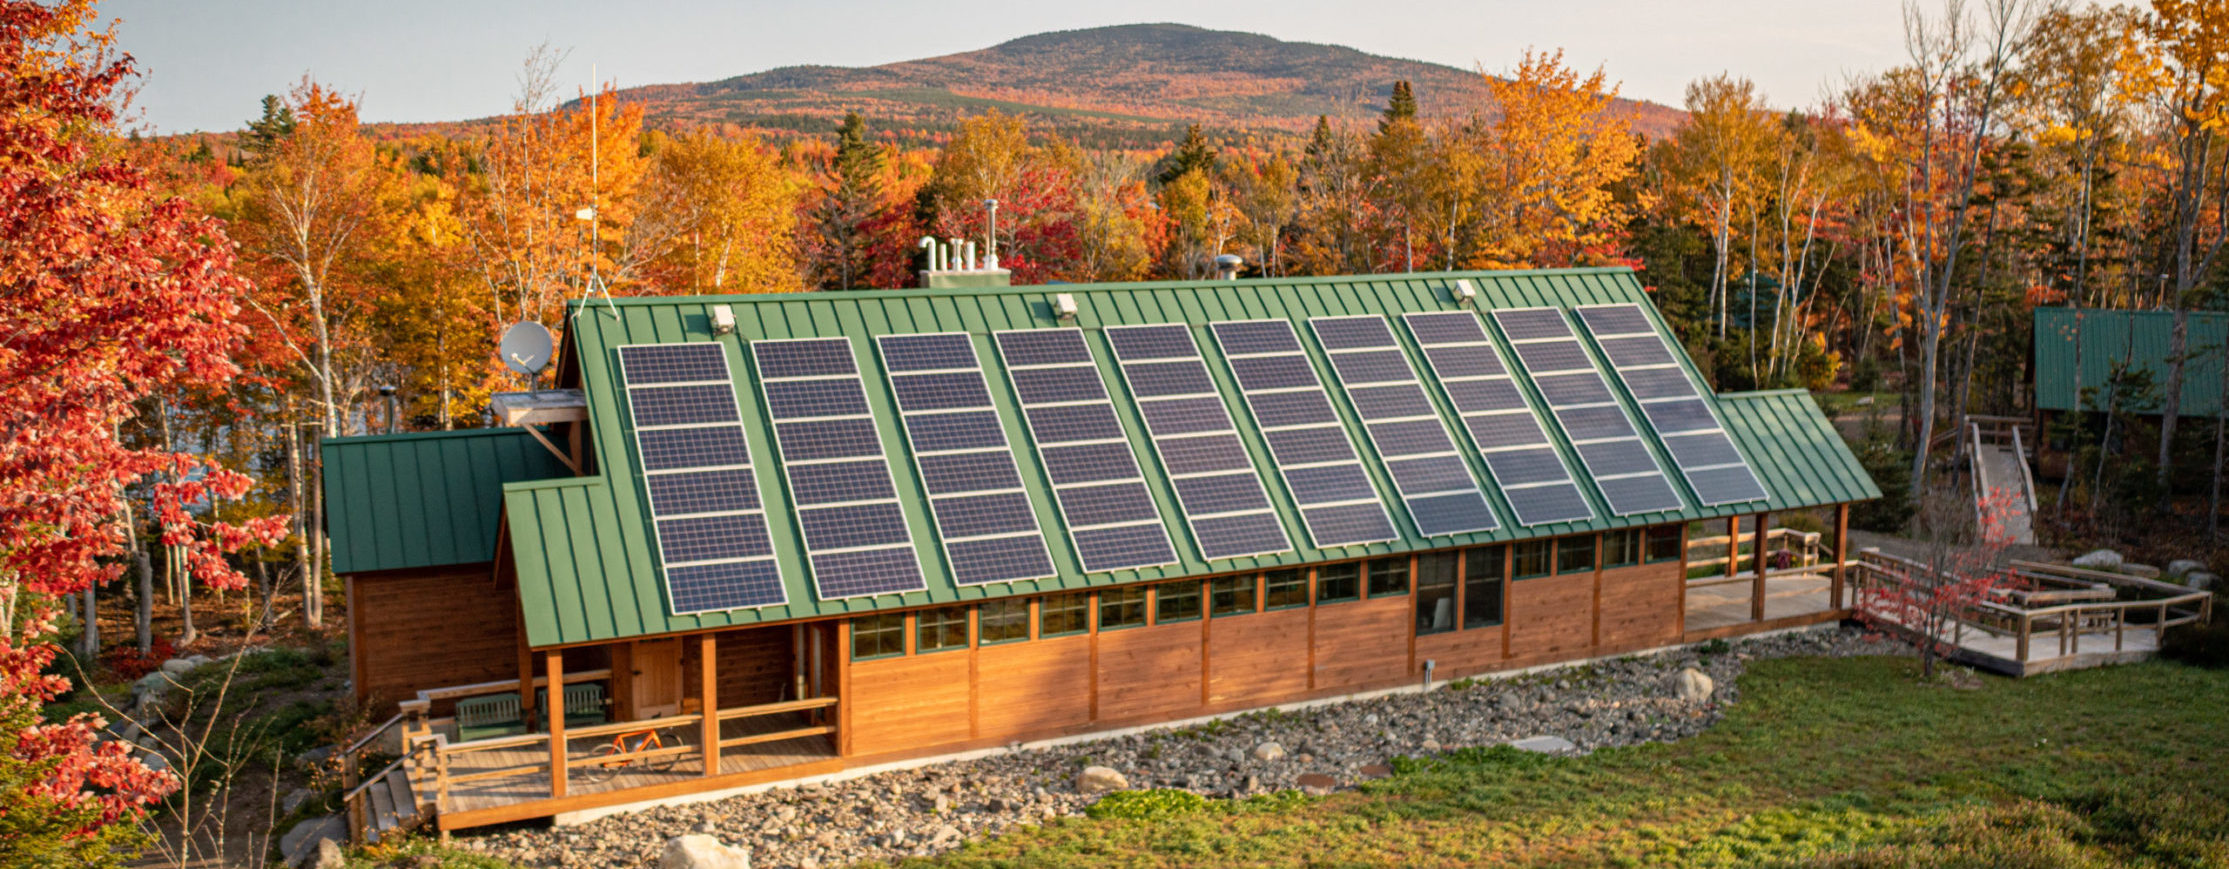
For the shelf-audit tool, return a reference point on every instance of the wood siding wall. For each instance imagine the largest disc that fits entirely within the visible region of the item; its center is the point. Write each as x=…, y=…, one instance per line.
x=412, y=630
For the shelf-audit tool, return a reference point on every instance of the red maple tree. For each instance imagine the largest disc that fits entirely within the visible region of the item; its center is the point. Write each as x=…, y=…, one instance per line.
x=108, y=294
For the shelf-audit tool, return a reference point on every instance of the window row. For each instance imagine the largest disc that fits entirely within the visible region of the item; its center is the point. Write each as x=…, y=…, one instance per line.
x=1480, y=571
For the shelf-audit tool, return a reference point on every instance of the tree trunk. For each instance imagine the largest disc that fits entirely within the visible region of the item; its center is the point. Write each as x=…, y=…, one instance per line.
x=182, y=579
x=89, y=643
x=2171, y=402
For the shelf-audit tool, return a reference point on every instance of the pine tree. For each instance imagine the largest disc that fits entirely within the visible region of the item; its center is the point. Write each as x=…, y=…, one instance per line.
x=854, y=199
x=1193, y=153
x=277, y=123
x=1402, y=107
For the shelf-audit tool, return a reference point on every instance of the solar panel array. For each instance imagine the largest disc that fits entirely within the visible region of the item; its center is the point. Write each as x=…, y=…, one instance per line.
x=857, y=540
x=1111, y=516
x=1673, y=404
x=959, y=446
x=1623, y=470
x=707, y=517
x=1435, y=483
x=1313, y=452
x=1500, y=421
x=1217, y=488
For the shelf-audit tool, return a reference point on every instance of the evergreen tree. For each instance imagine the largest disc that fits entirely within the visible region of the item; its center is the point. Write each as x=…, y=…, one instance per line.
x=277, y=123
x=1193, y=153
x=1402, y=107
x=854, y=179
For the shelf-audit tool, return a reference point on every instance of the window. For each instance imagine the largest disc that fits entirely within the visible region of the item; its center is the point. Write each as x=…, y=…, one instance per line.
x=940, y=629
x=1003, y=621
x=1287, y=588
x=1389, y=576
x=1435, y=592
x=1575, y=554
x=878, y=636
x=1534, y=558
x=1482, y=586
x=1232, y=595
x=1664, y=543
x=1176, y=601
x=1062, y=614
x=1621, y=548
x=1121, y=608
x=1336, y=583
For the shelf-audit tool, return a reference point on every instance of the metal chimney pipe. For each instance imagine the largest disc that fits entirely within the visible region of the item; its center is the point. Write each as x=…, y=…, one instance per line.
x=1227, y=266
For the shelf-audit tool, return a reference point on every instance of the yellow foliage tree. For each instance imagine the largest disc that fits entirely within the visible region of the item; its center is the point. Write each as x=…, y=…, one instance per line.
x=1551, y=155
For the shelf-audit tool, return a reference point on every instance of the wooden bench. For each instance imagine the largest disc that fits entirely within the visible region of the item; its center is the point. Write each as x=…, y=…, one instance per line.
x=584, y=704
x=488, y=716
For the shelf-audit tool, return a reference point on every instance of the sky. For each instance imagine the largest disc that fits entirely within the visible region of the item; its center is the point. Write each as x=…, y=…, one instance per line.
x=208, y=64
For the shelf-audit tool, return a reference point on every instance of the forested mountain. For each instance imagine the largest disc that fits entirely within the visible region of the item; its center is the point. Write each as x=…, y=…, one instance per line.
x=1131, y=84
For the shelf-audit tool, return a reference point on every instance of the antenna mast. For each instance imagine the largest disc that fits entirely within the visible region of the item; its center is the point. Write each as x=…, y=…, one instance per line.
x=595, y=200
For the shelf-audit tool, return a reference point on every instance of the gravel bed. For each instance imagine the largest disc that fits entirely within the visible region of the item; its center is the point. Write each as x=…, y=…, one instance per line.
x=934, y=808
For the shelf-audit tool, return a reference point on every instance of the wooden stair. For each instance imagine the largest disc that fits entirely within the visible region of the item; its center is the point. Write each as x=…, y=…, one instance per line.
x=392, y=806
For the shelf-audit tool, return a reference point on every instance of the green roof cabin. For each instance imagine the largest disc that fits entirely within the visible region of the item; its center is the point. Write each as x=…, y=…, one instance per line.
x=2139, y=344
x=760, y=538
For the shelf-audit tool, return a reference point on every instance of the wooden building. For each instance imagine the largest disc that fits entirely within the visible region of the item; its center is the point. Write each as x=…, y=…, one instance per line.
x=776, y=536
x=2077, y=351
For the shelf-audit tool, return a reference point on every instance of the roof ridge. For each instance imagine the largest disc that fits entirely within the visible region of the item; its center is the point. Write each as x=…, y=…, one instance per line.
x=396, y=437
x=1762, y=393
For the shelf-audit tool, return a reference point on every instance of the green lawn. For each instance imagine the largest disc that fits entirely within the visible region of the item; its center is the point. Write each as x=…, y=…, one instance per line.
x=1844, y=762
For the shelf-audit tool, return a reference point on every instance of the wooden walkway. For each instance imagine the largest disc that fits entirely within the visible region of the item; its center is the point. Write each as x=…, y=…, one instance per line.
x=1722, y=604
x=535, y=786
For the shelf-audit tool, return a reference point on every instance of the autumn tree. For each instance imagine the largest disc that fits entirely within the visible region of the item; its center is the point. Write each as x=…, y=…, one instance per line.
x=850, y=200
x=108, y=294
x=991, y=158
x=1553, y=154
x=717, y=216
x=1120, y=228
x=1718, y=155
x=1332, y=227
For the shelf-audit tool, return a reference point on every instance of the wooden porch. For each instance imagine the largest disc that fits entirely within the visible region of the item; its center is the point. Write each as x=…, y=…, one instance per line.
x=2050, y=617
x=1768, y=579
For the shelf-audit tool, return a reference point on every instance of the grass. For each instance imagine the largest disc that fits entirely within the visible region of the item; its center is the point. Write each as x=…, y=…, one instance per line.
x=1843, y=762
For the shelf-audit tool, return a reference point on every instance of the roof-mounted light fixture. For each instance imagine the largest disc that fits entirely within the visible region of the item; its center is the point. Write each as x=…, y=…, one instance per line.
x=723, y=320
x=1463, y=291
x=1064, y=307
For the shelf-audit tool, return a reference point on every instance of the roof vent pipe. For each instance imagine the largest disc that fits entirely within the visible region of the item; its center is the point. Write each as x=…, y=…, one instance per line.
x=1227, y=266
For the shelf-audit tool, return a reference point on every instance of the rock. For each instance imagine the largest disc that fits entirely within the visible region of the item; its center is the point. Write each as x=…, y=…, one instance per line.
x=294, y=800
x=696, y=851
x=2144, y=570
x=300, y=844
x=1544, y=745
x=1269, y=752
x=1099, y=780
x=2184, y=567
x=151, y=685
x=945, y=837
x=2201, y=580
x=2099, y=559
x=1316, y=784
x=1690, y=685
x=197, y=660
x=178, y=666
x=1429, y=745
x=1375, y=771
x=156, y=762
x=330, y=856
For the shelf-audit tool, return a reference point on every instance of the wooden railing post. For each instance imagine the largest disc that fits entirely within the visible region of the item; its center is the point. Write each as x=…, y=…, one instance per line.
x=355, y=806
x=1760, y=557
x=2027, y=625
x=1841, y=551
x=708, y=677
x=554, y=666
x=1733, y=545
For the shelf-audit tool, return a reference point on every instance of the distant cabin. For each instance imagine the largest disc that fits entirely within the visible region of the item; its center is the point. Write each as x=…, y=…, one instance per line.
x=759, y=538
x=2129, y=341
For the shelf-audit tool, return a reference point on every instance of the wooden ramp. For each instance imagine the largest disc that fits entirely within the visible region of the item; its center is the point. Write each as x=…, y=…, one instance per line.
x=2053, y=618
x=2001, y=469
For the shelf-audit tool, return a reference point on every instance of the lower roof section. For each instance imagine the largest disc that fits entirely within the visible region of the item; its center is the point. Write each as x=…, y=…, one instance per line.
x=429, y=499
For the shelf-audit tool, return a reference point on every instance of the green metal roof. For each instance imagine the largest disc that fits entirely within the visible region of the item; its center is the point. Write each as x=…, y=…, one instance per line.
x=423, y=500
x=583, y=546
x=2137, y=339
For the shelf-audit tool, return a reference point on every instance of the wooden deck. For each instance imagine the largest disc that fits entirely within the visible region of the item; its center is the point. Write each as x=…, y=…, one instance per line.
x=474, y=802
x=1722, y=604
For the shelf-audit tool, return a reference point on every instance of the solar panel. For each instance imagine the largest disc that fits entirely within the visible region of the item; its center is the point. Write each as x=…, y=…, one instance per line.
x=1306, y=440
x=1442, y=497
x=859, y=544
x=1111, y=518
x=1229, y=513
x=1220, y=452
x=1502, y=426
x=1674, y=404
x=1588, y=412
x=708, y=520
x=977, y=502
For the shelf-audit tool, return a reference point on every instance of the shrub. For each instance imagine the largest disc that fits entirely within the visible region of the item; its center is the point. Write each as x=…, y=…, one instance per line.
x=1891, y=470
x=128, y=664
x=2204, y=645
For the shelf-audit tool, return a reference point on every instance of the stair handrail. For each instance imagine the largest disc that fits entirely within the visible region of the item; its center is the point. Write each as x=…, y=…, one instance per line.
x=352, y=802
x=2027, y=478
x=366, y=739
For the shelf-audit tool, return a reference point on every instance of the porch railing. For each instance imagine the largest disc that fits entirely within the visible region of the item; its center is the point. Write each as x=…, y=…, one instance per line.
x=2050, y=610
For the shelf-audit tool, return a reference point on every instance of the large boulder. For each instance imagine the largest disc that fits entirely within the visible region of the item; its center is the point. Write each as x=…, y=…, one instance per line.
x=697, y=851
x=2099, y=559
x=2184, y=567
x=1100, y=780
x=1691, y=685
x=179, y=666
x=300, y=844
x=1269, y=752
x=329, y=856
x=2143, y=570
x=2201, y=580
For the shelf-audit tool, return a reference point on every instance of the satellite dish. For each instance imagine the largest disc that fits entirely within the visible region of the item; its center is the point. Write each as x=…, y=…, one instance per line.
x=526, y=347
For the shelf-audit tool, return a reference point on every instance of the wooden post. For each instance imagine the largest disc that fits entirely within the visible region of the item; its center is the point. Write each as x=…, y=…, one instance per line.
x=553, y=665
x=708, y=685
x=526, y=677
x=1841, y=551
x=2026, y=626
x=1759, y=555
x=1733, y=546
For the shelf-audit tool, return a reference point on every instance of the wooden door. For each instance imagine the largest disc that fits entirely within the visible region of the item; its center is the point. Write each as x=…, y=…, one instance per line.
x=656, y=668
